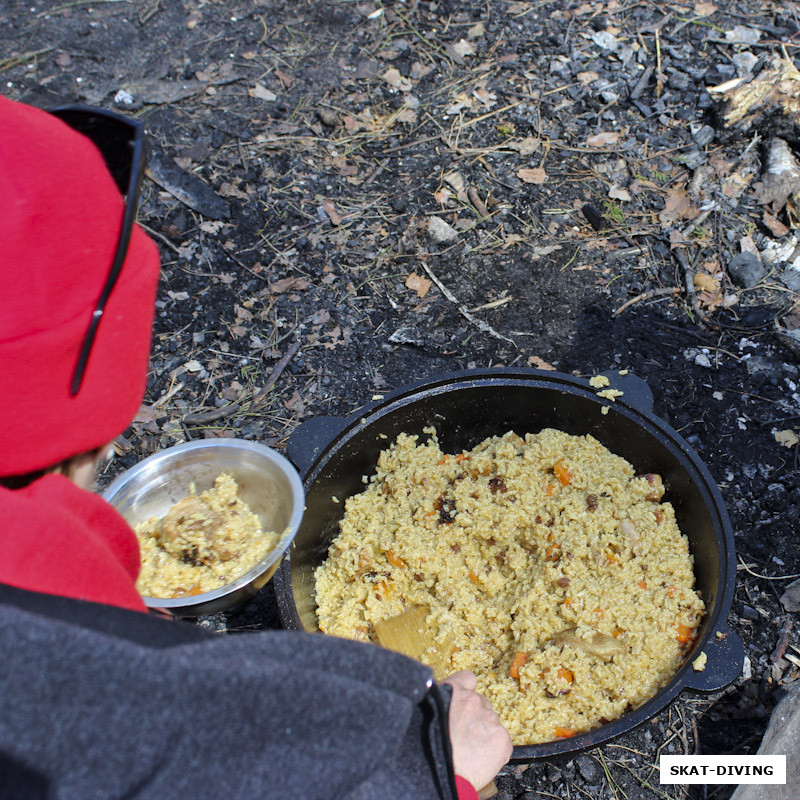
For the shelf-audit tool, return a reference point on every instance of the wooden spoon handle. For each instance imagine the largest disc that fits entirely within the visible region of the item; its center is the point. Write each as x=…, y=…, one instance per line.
x=490, y=790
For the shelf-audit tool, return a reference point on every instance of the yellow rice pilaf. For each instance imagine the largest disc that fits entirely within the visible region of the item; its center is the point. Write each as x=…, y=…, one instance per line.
x=222, y=550
x=550, y=568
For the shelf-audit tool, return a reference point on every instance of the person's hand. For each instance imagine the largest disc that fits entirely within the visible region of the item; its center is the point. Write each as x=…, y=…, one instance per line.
x=480, y=744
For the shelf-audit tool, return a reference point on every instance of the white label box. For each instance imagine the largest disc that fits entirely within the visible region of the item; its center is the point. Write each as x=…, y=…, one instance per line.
x=723, y=769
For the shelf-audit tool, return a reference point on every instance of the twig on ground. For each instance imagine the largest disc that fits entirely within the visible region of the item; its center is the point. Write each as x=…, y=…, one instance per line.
x=160, y=236
x=746, y=568
x=476, y=201
x=22, y=58
x=202, y=417
x=783, y=641
x=691, y=295
x=480, y=324
x=665, y=290
x=278, y=369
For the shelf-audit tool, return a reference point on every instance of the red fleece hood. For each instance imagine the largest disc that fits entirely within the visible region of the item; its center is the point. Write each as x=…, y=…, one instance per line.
x=59, y=539
x=60, y=215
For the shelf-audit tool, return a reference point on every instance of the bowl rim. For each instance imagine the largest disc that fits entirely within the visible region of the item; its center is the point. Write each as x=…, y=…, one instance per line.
x=272, y=557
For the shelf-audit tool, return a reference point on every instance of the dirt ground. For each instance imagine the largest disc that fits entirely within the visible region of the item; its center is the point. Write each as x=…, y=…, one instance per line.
x=352, y=196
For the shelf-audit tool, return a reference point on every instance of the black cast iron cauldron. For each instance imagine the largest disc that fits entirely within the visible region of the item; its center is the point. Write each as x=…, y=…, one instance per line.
x=333, y=453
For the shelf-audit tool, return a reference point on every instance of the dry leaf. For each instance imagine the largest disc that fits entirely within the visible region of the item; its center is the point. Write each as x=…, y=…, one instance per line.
x=295, y=403
x=677, y=206
x=792, y=322
x=418, y=284
x=603, y=139
x=476, y=31
x=776, y=190
x=227, y=189
x=704, y=9
x=262, y=93
x=442, y=195
x=517, y=8
x=419, y=70
x=677, y=239
x=145, y=414
x=285, y=284
x=787, y=438
x=585, y=78
x=485, y=96
x=320, y=317
x=545, y=250
x=618, y=193
x=284, y=78
x=705, y=282
x=533, y=175
x=393, y=77
x=526, y=146
x=330, y=209
x=459, y=50
x=462, y=102
x=456, y=180
x=776, y=227
x=790, y=599
x=734, y=185
x=351, y=124
x=539, y=363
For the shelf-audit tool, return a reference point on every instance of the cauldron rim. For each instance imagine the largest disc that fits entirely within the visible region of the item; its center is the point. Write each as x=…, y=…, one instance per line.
x=311, y=449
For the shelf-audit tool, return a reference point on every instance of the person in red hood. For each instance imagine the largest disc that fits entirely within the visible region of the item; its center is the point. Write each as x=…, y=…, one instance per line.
x=98, y=698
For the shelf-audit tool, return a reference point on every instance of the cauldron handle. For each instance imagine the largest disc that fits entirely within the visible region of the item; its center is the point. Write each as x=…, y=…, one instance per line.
x=725, y=652
x=310, y=438
x=636, y=391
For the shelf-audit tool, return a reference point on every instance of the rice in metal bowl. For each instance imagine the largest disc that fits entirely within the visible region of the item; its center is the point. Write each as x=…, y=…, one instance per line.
x=203, y=542
x=550, y=569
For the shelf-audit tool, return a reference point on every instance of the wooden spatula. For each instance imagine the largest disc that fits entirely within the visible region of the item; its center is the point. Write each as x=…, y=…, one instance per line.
x=408, y=633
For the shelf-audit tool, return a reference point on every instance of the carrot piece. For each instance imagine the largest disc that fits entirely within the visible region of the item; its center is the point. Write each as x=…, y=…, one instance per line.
x=443, y=460
x=461, y=457
x=561, y=472
x=192, y=590
x=473, y=577
x=394, y=559
x=565, y=733
x=684, y=633
x=599, y=611
x=567, y=601
x=671, y=590
x=551, y=487
x=617, y=632
x=518, y=661
x=552, y=553
x=565, y=674
x=613, y=559
x=642, y=585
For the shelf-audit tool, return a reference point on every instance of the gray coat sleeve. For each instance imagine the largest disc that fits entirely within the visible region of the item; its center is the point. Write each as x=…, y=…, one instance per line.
x=128, y=706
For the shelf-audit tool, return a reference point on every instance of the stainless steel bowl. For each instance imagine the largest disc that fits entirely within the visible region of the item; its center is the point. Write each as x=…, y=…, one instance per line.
x=268, y=483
